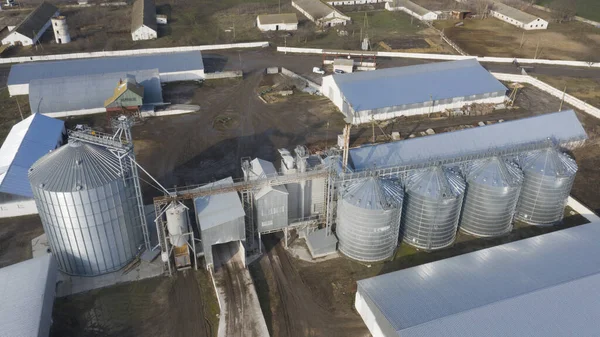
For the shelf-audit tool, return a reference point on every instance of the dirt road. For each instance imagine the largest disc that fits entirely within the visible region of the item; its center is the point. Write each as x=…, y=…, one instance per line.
x=297, y=312
x=243, y=317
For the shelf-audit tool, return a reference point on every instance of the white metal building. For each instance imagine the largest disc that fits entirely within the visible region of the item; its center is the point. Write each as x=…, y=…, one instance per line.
x=411, y=9
x=544, y=286
x=267, y=22
x=413, y=90
x=220, y=219
x=178, y=66
x=320, y=13
x=26, y=142
x=352, y=2
x=33, y=26
x=143, y=20
x=517, y=17
x=27, y=297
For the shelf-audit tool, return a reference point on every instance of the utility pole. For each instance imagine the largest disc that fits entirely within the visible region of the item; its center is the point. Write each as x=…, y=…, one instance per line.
x=522, y=40
x=536, y=49
x=19, y=106
x=373, y=126
x=562, y=100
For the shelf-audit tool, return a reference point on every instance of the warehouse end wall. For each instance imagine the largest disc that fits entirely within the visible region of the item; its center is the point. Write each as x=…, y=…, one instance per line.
x=377, y=324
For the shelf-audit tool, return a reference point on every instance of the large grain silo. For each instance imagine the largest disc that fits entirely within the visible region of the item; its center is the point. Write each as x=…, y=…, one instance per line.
x=368, y=219
x=493, y=187
x=88, y=212
x=432, y=204
x=549, y=176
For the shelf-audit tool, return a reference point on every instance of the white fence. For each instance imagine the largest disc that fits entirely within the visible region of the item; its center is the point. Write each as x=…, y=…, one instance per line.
x=582, y=210
x=133, y=52
x=576, y=102
x=445, y=57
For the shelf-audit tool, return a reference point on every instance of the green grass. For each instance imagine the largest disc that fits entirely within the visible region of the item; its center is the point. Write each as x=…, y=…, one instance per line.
x=589, y=9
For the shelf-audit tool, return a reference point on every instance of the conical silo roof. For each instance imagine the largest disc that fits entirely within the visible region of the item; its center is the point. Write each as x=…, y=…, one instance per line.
x=549, y=162
x=373, y=193
x=74, y=167
x=494, y=172
x=435, y=182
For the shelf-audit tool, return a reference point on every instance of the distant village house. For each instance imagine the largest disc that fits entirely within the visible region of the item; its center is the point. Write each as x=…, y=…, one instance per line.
x=267, y=22
x=33, y=26
x=517, y=17
x=411, y=9
x=320, y=13
x=143, y=20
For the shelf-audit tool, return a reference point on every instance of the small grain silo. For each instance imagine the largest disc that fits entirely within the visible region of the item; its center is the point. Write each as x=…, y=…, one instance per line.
x=549, y=176
x=88, y=209
x=493, y=187
x=61, y=29
x=432, y=204
x=368, y=218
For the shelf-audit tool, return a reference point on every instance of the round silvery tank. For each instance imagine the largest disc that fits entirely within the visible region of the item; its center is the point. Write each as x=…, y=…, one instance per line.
x=177, y=224
x=368, y=218
x=493, y=187
x=88, y=212
x=549, y=176
x=432, y=203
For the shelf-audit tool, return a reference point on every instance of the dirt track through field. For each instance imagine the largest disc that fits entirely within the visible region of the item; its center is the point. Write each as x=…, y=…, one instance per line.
x=189, y=316
x=298, y=313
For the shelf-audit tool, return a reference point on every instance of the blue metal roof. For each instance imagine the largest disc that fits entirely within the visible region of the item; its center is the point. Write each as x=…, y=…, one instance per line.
x=563, y=127
x=165, y=63
x=416, y=84
x=27, y=141
x=547, y=285
x=88, y=91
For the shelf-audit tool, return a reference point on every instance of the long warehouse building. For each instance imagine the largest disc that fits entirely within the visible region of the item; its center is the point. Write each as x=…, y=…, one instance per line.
x=179, y=66
x=413, y=90
x=561, y=127
x=543, y=286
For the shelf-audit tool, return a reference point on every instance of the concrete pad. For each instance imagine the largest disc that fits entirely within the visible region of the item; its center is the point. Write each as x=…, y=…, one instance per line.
x=40, y=246
x=300, y=251
x=69, y=285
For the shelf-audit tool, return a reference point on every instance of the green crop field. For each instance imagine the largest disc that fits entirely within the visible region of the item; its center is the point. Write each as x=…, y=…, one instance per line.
x=589, y=9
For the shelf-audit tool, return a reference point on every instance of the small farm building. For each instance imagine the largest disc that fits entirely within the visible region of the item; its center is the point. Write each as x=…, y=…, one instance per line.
x=411, y=9
x=268, y=22
x=320, y=13
x=143, y=20
x=33, y=26
x=517, y=17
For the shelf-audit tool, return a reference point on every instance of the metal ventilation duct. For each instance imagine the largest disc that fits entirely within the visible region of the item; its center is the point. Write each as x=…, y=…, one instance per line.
x=88, y=211
x=432, y=204
x=368, y=219
x=549, y=176
x=493, y=187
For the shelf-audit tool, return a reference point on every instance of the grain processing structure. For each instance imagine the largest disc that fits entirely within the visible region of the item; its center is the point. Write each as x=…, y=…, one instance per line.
x=414, y=90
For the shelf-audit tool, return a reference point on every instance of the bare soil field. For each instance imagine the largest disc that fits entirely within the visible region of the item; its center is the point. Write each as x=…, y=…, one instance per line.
x=15, y=238
x=183, y=305
x=492, y=37
x=586, y=89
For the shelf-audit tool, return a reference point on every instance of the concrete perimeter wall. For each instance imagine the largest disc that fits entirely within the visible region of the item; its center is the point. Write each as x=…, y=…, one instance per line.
x=576, y=102
x=442, y=57
x=133, y=52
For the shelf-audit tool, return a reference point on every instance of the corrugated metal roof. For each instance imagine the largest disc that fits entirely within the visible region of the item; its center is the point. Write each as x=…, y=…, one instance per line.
x=27, y=142
x=494, y=172
x=317, y=9
x=27, y=296
x=549, y=162
x=143, y=13
x=75, y=166
x=411, y=6
x=373, y=193
x=547, y=285
x=88, y=91
x=165, y=63
x=273, y=19
x=513, y=13
x=435, y=182
x=421, y=83
x=217, y=209
x=262, y=169
x=563, y=127
x=35, y=21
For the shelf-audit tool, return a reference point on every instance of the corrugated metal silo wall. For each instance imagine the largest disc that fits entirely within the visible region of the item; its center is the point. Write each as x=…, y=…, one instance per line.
x=272, y=211
x=91, y=232
x=365, y=234
x=546, y=187
x=294, y=202
x=317, y=197
x=488, y=209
